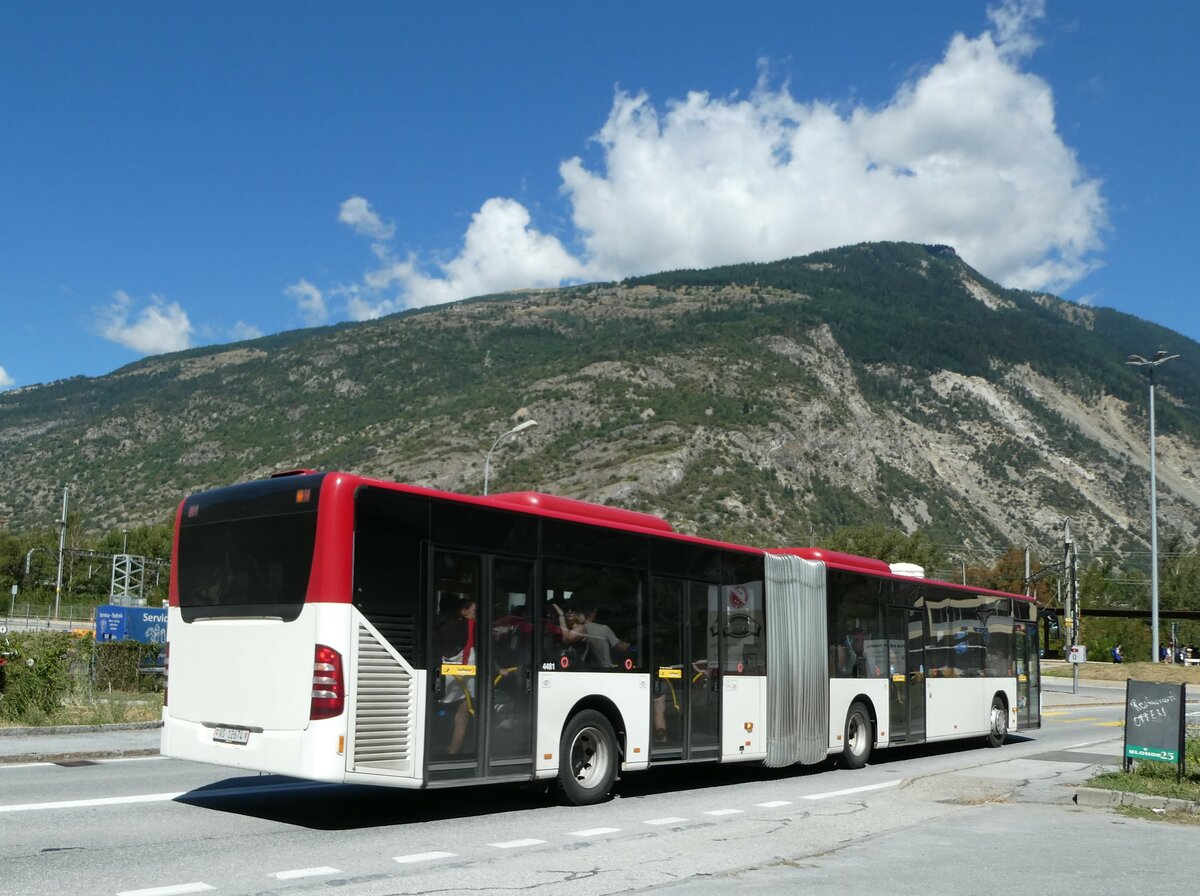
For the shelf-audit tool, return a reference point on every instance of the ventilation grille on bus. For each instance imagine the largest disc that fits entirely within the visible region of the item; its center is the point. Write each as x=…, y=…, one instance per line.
x=383, y=709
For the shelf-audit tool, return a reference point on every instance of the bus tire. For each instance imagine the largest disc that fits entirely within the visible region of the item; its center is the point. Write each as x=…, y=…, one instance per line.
x=997, y=723
x=859, y=736
x=587, y=759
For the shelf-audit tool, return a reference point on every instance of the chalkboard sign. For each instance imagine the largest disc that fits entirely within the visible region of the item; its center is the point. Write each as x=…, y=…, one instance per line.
x=1154, y=721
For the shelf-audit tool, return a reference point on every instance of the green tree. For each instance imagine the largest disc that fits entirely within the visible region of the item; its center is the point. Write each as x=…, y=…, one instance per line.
x=887, y=544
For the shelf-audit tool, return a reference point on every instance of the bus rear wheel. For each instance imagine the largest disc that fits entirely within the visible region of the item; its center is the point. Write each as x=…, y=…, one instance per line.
x=859, y=737
x=587, y=759
x=998, y=723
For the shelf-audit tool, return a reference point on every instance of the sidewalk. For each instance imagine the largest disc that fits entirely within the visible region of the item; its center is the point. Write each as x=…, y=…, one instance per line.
x=79, y=742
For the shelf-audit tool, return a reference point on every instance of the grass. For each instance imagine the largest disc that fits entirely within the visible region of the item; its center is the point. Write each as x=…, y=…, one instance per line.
x=1152, y=779
x=102, y=709
x=1158, y=779
x=1149, y=778
x=1160, y=672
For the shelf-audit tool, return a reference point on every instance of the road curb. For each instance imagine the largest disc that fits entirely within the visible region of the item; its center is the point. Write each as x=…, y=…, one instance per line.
x=79, y=729
x=76, y=755
x=1096, y=797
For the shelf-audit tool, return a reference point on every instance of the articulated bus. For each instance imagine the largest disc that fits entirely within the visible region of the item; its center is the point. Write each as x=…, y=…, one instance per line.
x=337, y=628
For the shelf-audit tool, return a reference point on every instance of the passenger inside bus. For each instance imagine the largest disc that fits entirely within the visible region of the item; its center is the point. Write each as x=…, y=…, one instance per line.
x=563, y=635
x=851, y=654
x=458, y=650
x=600, y=641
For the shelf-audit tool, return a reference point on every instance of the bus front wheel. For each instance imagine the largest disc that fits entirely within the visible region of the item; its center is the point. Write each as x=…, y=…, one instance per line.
x=587, y=759
x=859, y=738
x=998, y=723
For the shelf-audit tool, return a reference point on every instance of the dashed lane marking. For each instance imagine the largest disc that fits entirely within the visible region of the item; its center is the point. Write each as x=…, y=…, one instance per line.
x=724, y=812
x=593, y=832
x=851, y=790
x=298, y=873
x=670, y=819
x=175, y=890
x=424, y=857
x=517, y=844
x=774, y=804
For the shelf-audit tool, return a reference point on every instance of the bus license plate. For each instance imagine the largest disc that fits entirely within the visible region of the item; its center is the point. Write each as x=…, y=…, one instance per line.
x=231, y=735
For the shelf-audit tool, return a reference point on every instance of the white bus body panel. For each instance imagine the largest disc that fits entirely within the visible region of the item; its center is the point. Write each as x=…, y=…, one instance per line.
x=956, y=707
x=962, y=707
x=254, y=674
x=842, y=692
x=559, y=692
x=743, y=718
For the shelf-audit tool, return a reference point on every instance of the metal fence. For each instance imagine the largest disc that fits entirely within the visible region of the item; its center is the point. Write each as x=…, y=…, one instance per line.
x=41, y=617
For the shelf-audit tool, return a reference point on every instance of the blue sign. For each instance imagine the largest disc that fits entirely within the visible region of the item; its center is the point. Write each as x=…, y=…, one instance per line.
x=145, y=624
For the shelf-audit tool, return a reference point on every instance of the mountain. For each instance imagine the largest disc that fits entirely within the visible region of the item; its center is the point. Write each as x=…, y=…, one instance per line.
x=767, y=403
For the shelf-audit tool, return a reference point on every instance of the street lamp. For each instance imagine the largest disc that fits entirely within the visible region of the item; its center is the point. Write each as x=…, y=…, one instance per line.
x=487, y=464
x=1160, y=357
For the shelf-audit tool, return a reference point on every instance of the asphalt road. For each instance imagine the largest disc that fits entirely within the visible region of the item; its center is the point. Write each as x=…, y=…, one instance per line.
x=916, y=820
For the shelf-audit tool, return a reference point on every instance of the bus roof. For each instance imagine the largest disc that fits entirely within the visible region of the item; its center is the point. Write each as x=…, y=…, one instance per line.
x=588, y=513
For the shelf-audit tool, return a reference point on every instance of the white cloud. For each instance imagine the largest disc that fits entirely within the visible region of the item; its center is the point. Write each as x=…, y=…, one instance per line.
x=1012, y=24
x=5, y=379
x=358, y=214
x=242, y=331
x=500, y=251
x=310, y=302
x=158, y=327
x=966, y=153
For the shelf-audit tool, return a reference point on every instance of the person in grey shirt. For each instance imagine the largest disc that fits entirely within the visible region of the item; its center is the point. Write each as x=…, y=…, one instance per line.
x=601, y=640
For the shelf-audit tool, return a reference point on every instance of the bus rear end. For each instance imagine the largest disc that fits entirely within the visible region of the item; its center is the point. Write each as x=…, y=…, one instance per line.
x=259, y=631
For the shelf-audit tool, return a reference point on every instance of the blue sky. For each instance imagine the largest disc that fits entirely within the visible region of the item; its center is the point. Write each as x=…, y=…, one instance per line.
x=175, y=175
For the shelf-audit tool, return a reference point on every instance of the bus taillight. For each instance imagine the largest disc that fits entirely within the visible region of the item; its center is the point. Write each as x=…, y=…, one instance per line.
x=328, y=692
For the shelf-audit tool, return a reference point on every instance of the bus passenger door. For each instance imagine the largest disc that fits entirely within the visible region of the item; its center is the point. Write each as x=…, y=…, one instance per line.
x=481, y=668
x=1029, y=699
x=685, y=686
x=510, y=710
x=906, y=660
x=454, y=658
x=704, y=727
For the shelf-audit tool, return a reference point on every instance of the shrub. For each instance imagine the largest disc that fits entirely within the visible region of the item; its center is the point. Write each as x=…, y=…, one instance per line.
x=37, y=674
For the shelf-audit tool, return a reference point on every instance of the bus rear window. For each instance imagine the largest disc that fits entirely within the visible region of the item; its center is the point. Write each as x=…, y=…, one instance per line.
x=247, y=551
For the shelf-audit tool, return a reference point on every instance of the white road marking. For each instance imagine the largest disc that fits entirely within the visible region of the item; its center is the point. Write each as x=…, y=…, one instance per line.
x=774, y=804
x=304, y=872
x=517, y=844
x=848, y=791
x=667, y=820
x=724, y=812
x=424, y=857
x=176, y=890
x=161, y=797
x=101, y=801
x=593, y=832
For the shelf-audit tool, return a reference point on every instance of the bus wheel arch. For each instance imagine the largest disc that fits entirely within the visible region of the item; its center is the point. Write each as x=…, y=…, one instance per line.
x=590, y=753
x=858, y=734
x=997, y=721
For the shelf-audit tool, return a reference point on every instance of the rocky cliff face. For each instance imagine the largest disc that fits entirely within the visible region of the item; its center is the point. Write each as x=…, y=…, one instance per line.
x=763, y=403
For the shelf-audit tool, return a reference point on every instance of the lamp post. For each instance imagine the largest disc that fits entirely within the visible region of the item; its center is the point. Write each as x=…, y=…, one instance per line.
x=487, y=464
x=1160, y=357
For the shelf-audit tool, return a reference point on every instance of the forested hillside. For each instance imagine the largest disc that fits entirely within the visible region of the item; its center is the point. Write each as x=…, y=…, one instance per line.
x=884, y=384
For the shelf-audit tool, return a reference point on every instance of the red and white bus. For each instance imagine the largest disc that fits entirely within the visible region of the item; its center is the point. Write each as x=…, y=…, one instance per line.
x=338, y=628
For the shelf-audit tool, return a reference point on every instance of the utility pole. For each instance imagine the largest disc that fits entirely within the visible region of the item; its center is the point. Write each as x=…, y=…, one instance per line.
x=62, y=549
x=1070, y=568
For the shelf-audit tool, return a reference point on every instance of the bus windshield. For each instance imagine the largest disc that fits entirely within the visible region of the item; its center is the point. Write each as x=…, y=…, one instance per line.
x=247, y=551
